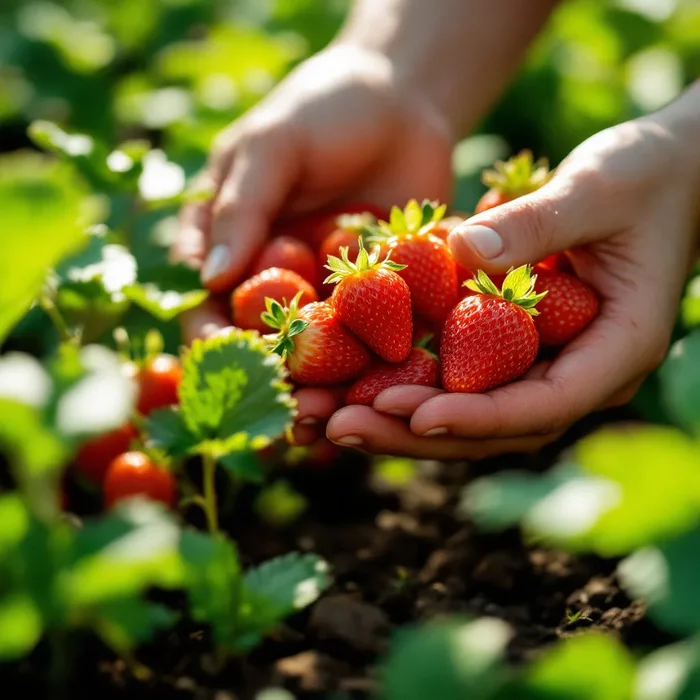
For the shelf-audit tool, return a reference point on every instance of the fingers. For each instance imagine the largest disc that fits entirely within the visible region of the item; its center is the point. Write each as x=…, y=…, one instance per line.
x=191, y=242
x=613, y=353
x=364, y=429
x=316, y=406
x=402, y=401
x=557, y=217
x=264, y=171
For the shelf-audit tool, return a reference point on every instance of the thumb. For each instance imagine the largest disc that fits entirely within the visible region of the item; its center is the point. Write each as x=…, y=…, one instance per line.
x=526, y=230
x=265, y=168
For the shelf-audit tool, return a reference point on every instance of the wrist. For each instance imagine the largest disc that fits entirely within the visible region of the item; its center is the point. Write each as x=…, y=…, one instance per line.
x=681, y=118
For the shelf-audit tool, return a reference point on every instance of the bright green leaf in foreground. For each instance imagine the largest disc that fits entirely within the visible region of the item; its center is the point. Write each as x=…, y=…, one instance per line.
x=45, y=211
x=670, y=673
x=450, y=660
x=585, y=667
x=123, y=554
x=680, y=381
x=233, y=395
x=667, y=577
x=20, y=626
x=611, y=501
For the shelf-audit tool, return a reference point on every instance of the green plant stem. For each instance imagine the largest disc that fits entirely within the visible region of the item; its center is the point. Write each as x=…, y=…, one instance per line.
x=210, y=505
x=57, y=319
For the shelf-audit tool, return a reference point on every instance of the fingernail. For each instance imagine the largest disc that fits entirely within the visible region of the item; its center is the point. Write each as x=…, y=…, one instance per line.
x=217, y=261
x=350, y=441
x=309, y=420
x=484, y=241
x=435, y=431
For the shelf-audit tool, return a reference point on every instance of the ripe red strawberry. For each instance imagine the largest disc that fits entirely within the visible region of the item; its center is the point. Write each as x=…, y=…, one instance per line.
x=318, y=349
x=511, y=179
x=490, y=338
x=430, y=272
x=568, y=308
x=349, y=228
x=421, y=368
x=248, y=300
x=289, y=254
x=373, y=301
x=313, y=228
x=442, y=228
x=558, y=261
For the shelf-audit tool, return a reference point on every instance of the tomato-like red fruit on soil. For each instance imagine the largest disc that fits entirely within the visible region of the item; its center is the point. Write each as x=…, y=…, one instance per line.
x=421, y=368
x=290, y=254
x=158, y=380
x=135, y=474
x=248, y=299
x=95, y=455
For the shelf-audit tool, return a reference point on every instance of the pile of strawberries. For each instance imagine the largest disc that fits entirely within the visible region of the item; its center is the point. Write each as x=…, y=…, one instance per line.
x=396, y=307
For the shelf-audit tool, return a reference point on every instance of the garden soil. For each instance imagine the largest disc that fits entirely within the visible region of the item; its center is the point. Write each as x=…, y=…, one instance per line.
x=399, y=555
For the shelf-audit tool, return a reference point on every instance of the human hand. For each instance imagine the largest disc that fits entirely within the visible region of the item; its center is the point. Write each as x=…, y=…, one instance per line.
x=340, y=128
x=625, y=203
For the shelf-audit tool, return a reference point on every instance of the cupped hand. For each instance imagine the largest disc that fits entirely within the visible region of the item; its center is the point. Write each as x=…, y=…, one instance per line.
x=340, y=128
x=625, y=204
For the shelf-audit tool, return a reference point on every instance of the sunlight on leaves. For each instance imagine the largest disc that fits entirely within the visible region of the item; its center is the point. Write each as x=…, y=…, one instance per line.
x=232, y=394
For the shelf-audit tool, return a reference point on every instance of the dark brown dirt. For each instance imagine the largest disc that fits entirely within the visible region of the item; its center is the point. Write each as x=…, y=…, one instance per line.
x=399, y=555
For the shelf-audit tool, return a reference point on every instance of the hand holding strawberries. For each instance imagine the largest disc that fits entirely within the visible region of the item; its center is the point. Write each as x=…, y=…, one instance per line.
x=625, y=206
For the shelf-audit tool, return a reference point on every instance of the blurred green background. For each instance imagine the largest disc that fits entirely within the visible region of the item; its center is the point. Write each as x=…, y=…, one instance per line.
x=178, y=71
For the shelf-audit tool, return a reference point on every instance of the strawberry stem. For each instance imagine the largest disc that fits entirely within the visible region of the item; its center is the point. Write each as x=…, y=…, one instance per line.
x=519, y=175
x=414, y=218
x=518, y=287
x=284, y=320
x=342, y=267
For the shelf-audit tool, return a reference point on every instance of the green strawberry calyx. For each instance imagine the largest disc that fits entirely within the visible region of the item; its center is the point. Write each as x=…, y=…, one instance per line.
x=358, y=223
x=518, y=287
x=519, y=175
x=284, y=320
x=413, y=219
x=342, y=267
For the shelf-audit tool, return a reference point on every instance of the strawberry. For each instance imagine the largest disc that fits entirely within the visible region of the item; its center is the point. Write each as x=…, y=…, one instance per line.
x=430, y=271
x=490, y=338
x=373, y=301
x=313, y=228
x=558, y=261
x=318, y=349
x=290, y=254
x=248, y=300
x=349, y=227
x=568, y=308
x=421, y=368
x=511, y=179
x=443, y=227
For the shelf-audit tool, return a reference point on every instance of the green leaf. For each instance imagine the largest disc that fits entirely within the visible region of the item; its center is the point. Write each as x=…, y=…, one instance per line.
x=667, y=577
x=279, y=587
x=670, y=673
x=213, y=583
x=15, y=522
x=503, y=500
x=279, y=504
x=451, y=660
x=586, y=667
x=45, y=211
x=120, y=555
x=20, y=626
x=164, y=304
x=167, y=431
x=232, y=394
x=127, y=622
x=244, y=466
x=680, y=382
